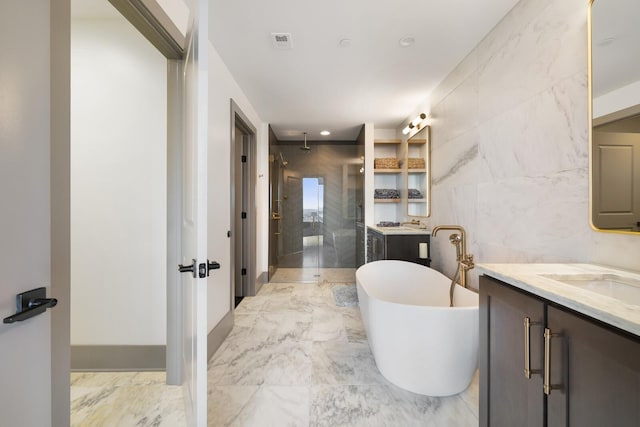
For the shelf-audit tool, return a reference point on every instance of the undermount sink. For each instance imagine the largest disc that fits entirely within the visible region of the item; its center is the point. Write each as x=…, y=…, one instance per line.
x=611, y=285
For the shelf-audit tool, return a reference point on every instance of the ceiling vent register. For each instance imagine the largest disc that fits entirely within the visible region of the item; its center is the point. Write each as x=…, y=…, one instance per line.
x=282, y=40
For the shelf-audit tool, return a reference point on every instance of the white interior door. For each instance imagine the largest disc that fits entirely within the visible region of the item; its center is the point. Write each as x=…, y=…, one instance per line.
x=194, y=215
x=25, y=346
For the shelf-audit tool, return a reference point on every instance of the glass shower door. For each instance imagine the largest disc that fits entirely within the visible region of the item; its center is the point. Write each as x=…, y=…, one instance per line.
x=297, y=202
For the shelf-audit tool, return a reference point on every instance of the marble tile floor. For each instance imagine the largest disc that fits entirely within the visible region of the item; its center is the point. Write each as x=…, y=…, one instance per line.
x=125, y=399
x=294, y=358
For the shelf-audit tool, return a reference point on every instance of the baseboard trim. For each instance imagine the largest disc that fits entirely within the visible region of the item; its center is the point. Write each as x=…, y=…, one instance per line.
x=97, y=358
x=219, y=333
x=261, y=280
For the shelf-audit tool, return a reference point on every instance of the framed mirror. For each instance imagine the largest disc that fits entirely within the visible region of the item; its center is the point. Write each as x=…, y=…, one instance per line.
x=419, y=174
x=614, y=34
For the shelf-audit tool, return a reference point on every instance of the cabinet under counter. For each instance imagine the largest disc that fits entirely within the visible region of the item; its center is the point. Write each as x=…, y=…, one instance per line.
x=398, y=243
x=545, y=364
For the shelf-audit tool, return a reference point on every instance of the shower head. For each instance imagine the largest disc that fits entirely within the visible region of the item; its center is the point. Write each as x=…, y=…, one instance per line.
x=306, y=147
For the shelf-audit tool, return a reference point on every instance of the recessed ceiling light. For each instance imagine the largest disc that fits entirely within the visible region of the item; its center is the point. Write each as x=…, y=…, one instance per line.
x=346, y=42
x=325, y=133
x=407, y=41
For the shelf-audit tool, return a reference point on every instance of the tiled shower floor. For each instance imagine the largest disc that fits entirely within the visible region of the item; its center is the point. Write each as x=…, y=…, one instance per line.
x=293, y=359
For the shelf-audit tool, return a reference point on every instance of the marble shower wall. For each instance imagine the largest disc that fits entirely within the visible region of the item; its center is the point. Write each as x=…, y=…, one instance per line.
x=510, y=145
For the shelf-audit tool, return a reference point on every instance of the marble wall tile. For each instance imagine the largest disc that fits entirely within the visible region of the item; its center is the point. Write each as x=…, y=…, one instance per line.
x=530, y=184
x=545, y=135
x=461, y=109
x=455, y=161
x=523, y=213
x=548, y=48
x=458, y=76
x=509, y=27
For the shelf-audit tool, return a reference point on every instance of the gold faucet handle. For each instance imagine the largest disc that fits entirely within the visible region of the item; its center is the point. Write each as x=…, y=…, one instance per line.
x=468, y=262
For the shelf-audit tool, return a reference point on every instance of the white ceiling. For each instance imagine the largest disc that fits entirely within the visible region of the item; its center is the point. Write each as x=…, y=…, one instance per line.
x=320, y=85
x=615, y=35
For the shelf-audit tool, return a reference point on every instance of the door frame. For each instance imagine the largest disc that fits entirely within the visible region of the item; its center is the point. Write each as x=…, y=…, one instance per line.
x=240, y=120
x=60, y=187
x=60, y=42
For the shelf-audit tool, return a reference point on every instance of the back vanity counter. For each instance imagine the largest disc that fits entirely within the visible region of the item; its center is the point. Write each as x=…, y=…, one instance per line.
x=559, y=345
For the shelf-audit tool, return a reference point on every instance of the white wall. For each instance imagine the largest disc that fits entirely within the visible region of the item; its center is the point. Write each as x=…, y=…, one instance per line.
x=222, y=87
x=510, y=145
x=118, y=186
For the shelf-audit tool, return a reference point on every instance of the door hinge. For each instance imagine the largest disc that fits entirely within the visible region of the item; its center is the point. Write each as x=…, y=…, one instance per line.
x=244, y=215
x=243, y=272
x=244, y=159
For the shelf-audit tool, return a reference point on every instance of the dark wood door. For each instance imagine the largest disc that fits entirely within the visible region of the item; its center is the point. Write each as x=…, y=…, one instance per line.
x=507, y=397
x=597, y=371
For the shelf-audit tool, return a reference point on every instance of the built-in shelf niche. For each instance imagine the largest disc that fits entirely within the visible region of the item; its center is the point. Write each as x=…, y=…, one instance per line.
x=418, y=147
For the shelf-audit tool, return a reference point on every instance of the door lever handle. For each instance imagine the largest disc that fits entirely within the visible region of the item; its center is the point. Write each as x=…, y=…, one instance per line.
x=189, y=268
x=212, y=265
x=43, y=302
x=31, y=303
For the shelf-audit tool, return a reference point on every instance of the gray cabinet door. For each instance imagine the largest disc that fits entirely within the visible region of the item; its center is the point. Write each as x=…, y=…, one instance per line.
x=596, y=371
x=507, y=397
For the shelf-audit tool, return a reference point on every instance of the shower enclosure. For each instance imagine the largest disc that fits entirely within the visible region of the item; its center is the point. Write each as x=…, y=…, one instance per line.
x=314, y=206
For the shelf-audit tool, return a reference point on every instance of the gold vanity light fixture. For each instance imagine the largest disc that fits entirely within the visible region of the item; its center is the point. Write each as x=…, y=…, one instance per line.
x=414, y=123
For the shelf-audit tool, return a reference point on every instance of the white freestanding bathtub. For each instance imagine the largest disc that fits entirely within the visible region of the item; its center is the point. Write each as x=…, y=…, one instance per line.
x=419, y=343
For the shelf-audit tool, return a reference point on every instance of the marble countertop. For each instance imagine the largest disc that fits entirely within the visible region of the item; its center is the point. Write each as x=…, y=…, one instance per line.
x=529, y=277
x=400, y=230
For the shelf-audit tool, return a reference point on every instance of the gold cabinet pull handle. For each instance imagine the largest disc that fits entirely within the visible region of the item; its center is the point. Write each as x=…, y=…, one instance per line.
x=527, y=348
x=547, y=386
